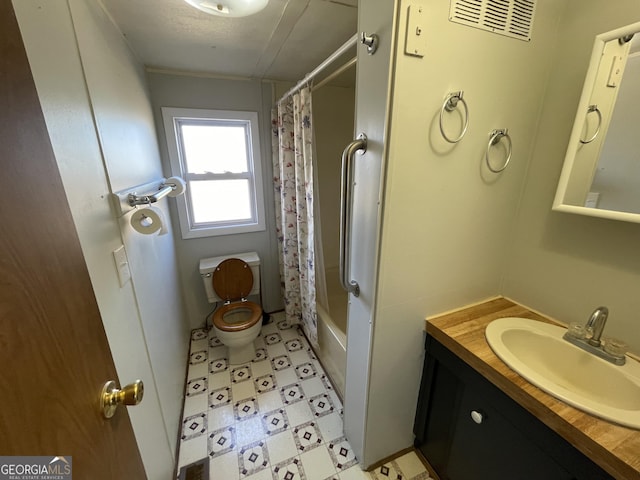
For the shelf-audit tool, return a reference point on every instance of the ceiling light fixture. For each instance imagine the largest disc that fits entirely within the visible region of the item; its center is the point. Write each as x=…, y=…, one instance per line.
x=229, y=8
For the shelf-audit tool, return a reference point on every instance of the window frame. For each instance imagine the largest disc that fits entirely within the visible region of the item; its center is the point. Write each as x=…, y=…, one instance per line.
x=172, y=120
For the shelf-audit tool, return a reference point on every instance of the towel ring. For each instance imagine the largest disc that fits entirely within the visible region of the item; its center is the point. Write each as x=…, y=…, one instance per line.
x=449, y=105
x=494, y=137
x=593, y=108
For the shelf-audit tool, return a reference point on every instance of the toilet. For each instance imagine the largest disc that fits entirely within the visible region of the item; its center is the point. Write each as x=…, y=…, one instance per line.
x=232, y=279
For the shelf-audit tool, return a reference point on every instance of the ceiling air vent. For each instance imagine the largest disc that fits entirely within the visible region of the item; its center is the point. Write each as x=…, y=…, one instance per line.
x=512, y=18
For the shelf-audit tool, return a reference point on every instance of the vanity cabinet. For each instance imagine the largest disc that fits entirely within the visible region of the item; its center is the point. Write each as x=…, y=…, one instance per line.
x=468, y=429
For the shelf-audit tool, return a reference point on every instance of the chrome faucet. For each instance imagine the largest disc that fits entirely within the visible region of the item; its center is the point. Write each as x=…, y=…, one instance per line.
x=596, y=324
x=587, y=337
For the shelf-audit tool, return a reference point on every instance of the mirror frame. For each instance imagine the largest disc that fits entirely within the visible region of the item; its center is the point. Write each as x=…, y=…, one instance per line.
x=574, y=139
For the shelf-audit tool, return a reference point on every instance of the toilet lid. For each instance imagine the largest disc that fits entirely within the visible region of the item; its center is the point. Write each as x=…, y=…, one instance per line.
x=232, y=279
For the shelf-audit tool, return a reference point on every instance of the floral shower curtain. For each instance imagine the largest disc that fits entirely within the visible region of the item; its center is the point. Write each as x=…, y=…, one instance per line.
x=292, y=144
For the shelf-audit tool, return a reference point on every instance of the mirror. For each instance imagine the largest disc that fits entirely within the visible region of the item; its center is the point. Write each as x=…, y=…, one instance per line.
x=601, y=173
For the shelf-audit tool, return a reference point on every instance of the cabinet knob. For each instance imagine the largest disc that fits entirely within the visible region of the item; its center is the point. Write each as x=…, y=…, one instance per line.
x=476, y=416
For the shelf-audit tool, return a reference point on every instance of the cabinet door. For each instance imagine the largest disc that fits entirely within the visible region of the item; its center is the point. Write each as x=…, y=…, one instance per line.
x=490, y=447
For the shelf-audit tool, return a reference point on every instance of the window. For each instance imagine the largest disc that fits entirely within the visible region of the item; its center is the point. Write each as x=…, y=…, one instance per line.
x=217, y=152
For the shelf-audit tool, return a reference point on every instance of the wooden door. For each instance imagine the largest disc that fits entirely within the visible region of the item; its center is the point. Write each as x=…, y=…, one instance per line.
x=54, y=355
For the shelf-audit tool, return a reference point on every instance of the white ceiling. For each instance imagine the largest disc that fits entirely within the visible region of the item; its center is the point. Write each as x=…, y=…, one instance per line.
x=286, y=40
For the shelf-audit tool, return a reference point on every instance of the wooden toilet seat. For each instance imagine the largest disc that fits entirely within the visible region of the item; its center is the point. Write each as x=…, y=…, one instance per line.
x=255, y=316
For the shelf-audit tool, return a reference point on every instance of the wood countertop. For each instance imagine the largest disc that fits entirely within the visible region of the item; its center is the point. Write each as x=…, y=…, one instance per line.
x=615, y=448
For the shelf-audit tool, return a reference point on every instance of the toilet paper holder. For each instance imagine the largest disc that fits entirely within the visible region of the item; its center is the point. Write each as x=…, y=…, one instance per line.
x=126, y=200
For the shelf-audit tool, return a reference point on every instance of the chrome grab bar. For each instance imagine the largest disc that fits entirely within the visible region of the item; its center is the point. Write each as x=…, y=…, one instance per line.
x=360, y=144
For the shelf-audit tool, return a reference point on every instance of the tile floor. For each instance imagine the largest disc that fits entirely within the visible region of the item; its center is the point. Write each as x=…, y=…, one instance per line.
x=275, y=418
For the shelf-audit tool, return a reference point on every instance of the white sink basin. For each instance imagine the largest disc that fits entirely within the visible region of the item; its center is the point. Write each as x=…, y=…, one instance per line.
x=538, y=353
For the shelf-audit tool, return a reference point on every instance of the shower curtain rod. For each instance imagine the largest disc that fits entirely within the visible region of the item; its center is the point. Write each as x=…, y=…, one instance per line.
x=330, y=59
x=334, y=74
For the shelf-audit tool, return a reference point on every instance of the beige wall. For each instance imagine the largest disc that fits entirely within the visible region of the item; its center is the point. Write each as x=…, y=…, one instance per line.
x=169, y=90
x=566, y=265
x=448, y=221
x=94, y=99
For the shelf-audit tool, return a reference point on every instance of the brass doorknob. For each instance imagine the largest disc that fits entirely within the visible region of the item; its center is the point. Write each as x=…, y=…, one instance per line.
x=111, y=396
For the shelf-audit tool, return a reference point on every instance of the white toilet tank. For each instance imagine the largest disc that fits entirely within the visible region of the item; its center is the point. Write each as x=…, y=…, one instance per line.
x=208, y=265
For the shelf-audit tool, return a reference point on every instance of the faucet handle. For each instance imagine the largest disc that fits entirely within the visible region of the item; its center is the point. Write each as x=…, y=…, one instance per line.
x=615, y=347
x=577, y=330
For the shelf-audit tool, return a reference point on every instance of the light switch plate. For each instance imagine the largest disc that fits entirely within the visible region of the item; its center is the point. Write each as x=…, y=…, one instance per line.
x=122, y=265
x=416, y=42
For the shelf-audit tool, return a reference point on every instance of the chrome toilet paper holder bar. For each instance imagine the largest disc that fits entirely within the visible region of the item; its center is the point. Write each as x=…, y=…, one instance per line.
x=163, y=191
x=126, y=200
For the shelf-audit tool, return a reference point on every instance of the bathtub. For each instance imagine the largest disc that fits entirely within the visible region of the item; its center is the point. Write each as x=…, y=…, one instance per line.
x=332, y=337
